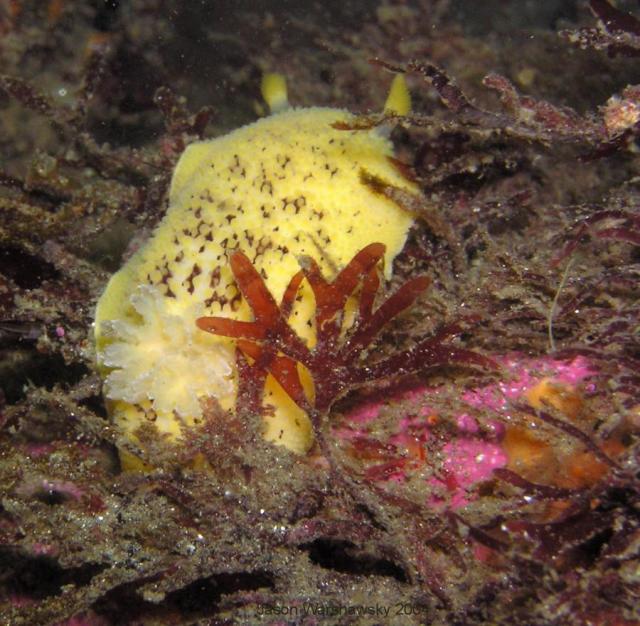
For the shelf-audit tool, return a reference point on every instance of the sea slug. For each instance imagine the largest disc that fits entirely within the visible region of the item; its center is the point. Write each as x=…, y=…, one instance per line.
x=290, y=185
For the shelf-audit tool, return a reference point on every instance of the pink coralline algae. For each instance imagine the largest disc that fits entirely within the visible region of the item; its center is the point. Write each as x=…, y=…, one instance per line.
x=44, y=487
x=468, y=461
x=522, y=376
x=460, y=450
x=88, y=618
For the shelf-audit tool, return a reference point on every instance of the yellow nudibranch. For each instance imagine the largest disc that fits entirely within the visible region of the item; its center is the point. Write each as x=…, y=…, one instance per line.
x=286, y=186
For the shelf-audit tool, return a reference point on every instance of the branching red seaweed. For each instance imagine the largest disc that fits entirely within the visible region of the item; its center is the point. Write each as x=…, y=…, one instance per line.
x=614, y=224
x=617, y=32
x=334, y=363
x=521, y=117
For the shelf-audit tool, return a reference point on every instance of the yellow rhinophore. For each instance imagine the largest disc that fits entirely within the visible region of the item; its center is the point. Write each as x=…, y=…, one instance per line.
x=288, y=185
x=274, y=92
x=399, y=98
